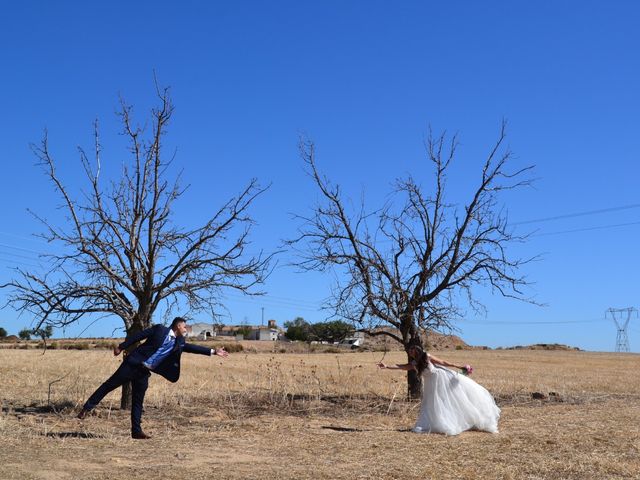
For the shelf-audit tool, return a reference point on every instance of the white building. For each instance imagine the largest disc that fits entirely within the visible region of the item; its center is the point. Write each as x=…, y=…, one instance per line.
x=270, y=333
x=356, y=340
x=200, y=330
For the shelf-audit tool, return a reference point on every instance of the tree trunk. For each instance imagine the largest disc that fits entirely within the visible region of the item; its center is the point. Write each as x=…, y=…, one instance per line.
x=414, y=385
x=411, y=337
x=125, y=397
x=139, y=323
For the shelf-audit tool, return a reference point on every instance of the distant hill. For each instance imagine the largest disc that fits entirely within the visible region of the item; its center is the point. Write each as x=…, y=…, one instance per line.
x=436, y=341
x=541, y=346
x=439, y=341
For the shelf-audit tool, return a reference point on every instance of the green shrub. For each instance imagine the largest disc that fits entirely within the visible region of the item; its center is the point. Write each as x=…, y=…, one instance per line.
x=332, y=350
x=233, y=347
x=106, y=345
x=25, y=334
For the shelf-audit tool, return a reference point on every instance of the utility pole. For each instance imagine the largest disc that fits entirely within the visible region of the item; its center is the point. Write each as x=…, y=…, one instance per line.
x=262, y=321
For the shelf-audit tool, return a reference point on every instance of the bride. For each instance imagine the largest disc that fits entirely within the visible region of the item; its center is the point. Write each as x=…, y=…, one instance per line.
x=451, y=401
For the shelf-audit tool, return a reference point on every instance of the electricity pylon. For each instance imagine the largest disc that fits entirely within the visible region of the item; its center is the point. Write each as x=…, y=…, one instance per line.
x=622, y=324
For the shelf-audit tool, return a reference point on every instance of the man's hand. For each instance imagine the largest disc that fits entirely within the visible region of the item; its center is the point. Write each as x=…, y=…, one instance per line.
x=117, y=351
x=381, y=365
x=221, y=352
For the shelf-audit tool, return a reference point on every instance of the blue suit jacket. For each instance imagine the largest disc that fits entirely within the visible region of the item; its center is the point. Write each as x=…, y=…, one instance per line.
x=170, y=366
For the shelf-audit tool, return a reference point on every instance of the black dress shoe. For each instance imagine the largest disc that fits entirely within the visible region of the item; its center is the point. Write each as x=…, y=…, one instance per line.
x=83, y=413
x=140, y=436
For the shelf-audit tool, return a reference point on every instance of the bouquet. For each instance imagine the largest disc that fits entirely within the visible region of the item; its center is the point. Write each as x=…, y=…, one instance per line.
x=466, y=370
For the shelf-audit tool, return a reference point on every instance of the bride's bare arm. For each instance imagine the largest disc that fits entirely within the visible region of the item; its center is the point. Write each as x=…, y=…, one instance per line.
x=398, y=366
x=444, y=363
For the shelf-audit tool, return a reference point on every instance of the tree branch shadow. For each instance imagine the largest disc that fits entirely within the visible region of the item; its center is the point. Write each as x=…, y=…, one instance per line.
x=72, y=435
x=352, y=429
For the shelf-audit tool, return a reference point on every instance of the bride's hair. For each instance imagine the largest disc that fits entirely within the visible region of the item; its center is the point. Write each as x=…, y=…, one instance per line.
x=420, y=358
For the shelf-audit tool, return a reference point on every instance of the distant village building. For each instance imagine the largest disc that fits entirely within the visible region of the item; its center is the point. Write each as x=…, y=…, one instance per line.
x=263, y=334
x=270, y=333
x=354, y=341
x=203, y=331
x=226, y=330
x=200, y=331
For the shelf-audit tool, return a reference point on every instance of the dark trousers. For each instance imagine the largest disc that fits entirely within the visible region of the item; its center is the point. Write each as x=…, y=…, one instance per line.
x=139, y=378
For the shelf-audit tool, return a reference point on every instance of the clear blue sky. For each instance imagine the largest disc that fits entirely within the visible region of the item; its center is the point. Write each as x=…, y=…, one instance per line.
x=364, y=79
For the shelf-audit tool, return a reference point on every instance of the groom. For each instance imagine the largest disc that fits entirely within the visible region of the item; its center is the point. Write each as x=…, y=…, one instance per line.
x=160, y=354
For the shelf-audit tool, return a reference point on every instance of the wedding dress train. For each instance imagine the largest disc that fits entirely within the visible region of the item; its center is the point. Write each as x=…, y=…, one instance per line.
x=453, y=403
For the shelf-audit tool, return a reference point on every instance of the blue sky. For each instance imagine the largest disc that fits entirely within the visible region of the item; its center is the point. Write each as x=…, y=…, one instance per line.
x=364, y=79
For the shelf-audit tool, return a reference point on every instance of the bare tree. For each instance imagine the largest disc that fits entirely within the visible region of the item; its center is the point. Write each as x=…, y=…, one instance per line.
x=123, y=254
x=405, y=268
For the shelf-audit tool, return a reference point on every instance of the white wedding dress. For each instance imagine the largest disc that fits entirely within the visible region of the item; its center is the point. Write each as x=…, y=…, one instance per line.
x=453, y=403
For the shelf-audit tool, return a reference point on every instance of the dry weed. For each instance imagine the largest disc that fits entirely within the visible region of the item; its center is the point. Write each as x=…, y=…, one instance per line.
x=319, y=416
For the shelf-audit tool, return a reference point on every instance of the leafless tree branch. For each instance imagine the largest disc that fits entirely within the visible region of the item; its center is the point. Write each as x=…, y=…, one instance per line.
x=120, y=251
x=405, y=264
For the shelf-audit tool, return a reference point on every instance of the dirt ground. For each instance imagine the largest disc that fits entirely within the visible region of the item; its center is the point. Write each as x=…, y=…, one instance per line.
x=319, y=416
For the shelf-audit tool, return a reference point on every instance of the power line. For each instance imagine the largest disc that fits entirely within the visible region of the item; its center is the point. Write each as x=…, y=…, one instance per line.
x=7, y=234
x=12, y=254
x=543, y=322
x=525, y=222
x=18, y=262
x=273, y=299
x=580, y=214
x=586, y=229
x=19, y=248
x=295, y=300
x=262, y=301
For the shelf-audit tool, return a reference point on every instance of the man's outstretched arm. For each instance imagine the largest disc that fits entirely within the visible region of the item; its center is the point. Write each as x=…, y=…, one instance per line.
x=192, y=348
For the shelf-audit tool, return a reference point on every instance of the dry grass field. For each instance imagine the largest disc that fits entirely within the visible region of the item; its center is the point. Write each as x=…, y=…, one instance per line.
x=297, y=416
